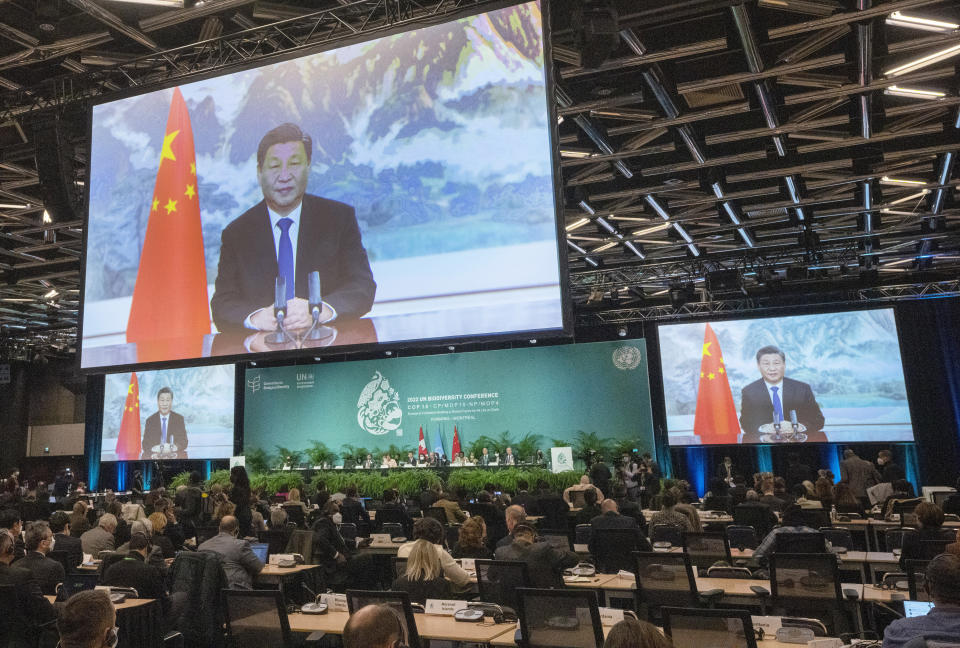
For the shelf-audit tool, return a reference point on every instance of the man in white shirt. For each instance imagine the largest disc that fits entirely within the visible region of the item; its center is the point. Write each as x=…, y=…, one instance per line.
x=508, y=458
x=774, y=396
x=164, y=428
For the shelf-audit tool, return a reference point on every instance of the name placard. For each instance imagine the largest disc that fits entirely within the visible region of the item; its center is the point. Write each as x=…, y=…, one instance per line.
x=335, y=602
x=380, y=538
x=770, y=624
x=610, y=616
x=468, y=564
x=444, y=606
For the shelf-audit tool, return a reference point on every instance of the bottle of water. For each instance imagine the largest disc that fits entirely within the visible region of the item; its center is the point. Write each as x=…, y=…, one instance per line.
x=833, y=513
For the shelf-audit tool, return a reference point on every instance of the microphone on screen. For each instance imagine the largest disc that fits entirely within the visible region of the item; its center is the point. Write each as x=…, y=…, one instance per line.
x=794, y=422
x=776, y=423
x=279, y=336
x=315, y=298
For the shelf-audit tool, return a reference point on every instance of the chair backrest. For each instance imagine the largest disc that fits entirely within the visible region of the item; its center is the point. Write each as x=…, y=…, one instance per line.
x=13, y=621
x=671, y=533
x=612, y=548
x=256, y=618
x=275, y=539
x=705, y=549
x=295, y=514
x=350, y=512
x=452, y=534
x=389, y=515
x=399, y=566
x=348, y=531
x=74, y=582
x=438, y=513
x=559, y=618
x=399, y=601
x=696, y=628
x=916, y=577
x=838, y=537
x=556, y=539
x=756, y=516
x=804, y=576
x=941, y=496
x=893, y=538
x=395, y=529
x=204, y=533
x=498, y=580
x=742, y=537
x=930, y=549
x=199, y=578
x=815, y=518
x=554, y=511
x=109, y=561
x=663, y=579
x=581, y=533
x=301, y=542
x=796, y=543
x=728, y=572
x=906, y=511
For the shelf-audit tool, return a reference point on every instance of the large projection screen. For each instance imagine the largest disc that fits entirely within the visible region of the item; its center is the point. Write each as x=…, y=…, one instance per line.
x=197, y=403
x=414, y=173
x=841, y=373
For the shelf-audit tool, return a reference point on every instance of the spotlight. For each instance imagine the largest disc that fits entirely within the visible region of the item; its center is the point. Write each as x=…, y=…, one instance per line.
x=533, y=341
x=451, y=348
x=622, y=331
x=388, y=353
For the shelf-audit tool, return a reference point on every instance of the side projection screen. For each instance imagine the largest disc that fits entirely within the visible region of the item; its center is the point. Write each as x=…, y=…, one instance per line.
x=834, y=377
x=394, y=190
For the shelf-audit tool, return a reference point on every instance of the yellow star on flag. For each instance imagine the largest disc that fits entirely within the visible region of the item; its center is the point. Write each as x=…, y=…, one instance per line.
x=721, y=370
x=156, y=203
x=193, y=168
x=171, y=206
x=130, y=389
x=711, y=376
x=706, y=348
x=166, y=153
x=701, y=374
x=721, y=359
x=190, y=193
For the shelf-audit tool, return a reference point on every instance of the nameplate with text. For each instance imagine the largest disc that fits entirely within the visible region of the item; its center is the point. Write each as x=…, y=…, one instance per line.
x=380, y=538
x=335, y=602
x=770, y=624
x=444, y=606
x=468, y=564
x=610, y=616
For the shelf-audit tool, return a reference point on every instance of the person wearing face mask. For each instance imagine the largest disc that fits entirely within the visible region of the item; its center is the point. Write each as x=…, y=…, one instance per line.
x=88, y=620
x=240, y=564
x=36, y=614
x=40, y=542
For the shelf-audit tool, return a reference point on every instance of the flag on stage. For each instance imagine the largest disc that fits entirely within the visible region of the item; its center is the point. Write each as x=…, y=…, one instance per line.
x=128, y=441
x=438, y=444
x=456, y=443
x=715, y=420
x=422, y=448
x=170, y=313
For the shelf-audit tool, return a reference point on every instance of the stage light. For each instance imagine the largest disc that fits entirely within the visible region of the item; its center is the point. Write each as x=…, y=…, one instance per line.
x=901, y=182
x=899, y=19
x=451, y=348
x=622, y=331
x=13, y=206
x=576, y=247
x=46, y=217
x=533, y=341
x=578, y=223
x=591, y=262
x=924, y=61
x=388, y=353
x=914, y=93
x=575, y=153
x=633, y=248
x=51, y=294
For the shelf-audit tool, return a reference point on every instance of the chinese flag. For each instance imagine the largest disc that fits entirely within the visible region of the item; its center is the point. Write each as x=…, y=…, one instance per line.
x=716, y=417
x=170, y=312
x=128, y=441
x=422, y=450
x=456, y=443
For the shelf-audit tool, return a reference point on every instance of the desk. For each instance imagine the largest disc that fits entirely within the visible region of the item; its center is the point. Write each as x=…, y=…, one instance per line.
x=288, y=579
x=385, y=548
x=140, y=622
x=428, y=626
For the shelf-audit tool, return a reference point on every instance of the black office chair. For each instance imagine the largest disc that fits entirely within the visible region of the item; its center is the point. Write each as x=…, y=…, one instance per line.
x=438, y=513
x=296, y=515
x=612, y=548
x=742, y=537
x=581, y=533
x=256, y=618
x=671, y=533
x=452, y=534
x=893, y=538
x=498, y=580
x=815, y=518
x=301, y=542
x=275, y=539
x=559, y=619
x=395, y=529
x=696, y=628
x=399, y=601
x=348, y=531
x=930, y=549
x=916, y=577
x=907, y=512
x=556, y=539
x=807, y=584
x=800, y=543
x=555, y=512
x=399, y=566
x=705, y=549
x=109, y=561
x=757, y=517
x=838, y=538
x=389, y=515
x=663, y=579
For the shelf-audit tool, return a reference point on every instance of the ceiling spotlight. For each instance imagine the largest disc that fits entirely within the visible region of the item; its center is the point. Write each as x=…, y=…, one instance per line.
x=51, y=294
x=253, y=364
x=388, y=353
x=46, y=217
x=622, y=331
x=533, y=341
x=451, y=348
x=924, y=61
x=901, y=182
x=914, y=93
x=577, y=223
x=899, y=19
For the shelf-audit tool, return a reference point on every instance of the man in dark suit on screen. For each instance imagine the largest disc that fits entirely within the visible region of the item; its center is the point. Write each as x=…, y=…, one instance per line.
x=775, y=394
x=164, y=427
x=290, y=233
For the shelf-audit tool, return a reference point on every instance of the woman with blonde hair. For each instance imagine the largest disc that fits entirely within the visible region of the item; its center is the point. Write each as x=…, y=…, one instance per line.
x=79, y=523
x=159, y=522
x=423, y=577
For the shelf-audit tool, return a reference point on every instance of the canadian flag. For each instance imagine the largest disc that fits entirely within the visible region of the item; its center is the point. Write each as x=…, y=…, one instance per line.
x=422, y=448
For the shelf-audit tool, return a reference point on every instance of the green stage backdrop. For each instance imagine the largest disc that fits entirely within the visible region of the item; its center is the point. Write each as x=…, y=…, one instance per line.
x=566, y=392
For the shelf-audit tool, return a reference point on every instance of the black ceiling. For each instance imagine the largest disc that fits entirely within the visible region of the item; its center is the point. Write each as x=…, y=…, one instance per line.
x=717, y=156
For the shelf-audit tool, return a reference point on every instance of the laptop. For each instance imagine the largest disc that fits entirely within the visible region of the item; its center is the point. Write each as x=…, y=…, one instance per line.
x=261, y=550
x=916, y=608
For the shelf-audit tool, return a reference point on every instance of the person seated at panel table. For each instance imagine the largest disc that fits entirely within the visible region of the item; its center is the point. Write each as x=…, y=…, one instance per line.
x=485, y=458
x=459, y=460
x=388, y=462
x=791, y=521
x=509, y=459
x=942, y=623
x=411, y=459
x=773, y=396
x=368, y=462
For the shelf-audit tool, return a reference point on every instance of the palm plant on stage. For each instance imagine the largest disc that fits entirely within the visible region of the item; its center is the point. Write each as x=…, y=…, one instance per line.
x=289, y=456
x=587, y=445
x=353, y=453
x=257, y=460
x=320, y=455
x=526, y=448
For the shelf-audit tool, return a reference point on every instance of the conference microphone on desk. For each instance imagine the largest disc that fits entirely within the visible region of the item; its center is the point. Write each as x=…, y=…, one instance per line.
x=312, y=608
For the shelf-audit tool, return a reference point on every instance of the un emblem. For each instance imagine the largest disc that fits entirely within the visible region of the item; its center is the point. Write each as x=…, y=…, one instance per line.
x=378, y=408
x=626, y=358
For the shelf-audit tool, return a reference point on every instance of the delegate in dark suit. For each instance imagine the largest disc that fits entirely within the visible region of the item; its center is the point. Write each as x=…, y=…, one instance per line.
x=544, y=562
x=176, y=433
x=756, y=408
x=46, y=571
x=328, y=242
x=34, y=616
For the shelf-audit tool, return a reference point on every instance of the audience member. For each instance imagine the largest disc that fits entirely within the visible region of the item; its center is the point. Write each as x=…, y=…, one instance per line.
x=590, y=508
x=767, y=495
x=632, y=633
x=133, y=571
x=582, y=486
x=159, y=537
x=79, y=522
x=11, y=525
x=942, y=623
x=930, y=519
x=430, y=529
x=752, y=512
x=374, y=626
x=351, y=508
x=40, y=542
x=890, y=471
x=859, y=473
x=446, y=501
x=718, y=498
x=611, y=518
x=514, y=515
x=101, y=537
x=240, y=495
x=792, y=521
x=668, y=514
x=424, y=576
x=36, y=612
x=329, y=548
x=239, y=562
x=88, y=620
x=60, y=525
x=545, y=563
x=845, y=500
x=524, y=498
x=472, y=539
x=600, y=475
